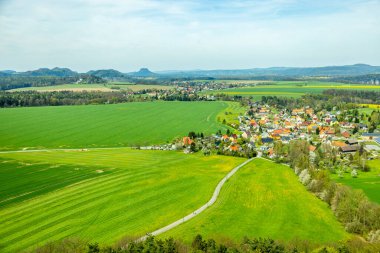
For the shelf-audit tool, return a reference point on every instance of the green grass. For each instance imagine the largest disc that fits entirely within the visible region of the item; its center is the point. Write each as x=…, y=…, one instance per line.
x=264, y=199
x=106, y=125
x=29, y=180
x=138, y=192
x=369, y=182
x=291, y=89
x=231, y=113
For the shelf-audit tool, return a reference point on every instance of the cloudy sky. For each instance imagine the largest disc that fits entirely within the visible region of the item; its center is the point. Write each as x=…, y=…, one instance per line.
x=194, y=34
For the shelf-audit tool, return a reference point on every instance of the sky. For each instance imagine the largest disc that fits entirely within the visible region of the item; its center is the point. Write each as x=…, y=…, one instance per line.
x=186, y=35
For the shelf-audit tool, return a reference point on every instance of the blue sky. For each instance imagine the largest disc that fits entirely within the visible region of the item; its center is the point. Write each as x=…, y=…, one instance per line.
x=162, y=35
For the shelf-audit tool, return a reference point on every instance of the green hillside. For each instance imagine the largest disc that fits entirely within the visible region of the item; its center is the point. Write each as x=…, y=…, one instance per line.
x=101, y=195
x=264, y=199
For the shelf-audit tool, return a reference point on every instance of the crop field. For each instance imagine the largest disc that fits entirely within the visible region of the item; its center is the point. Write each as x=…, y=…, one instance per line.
x=106, y=125
x=369, y=182
x=264, y=199
x=291, y=89
x=138, y=87
x=231, y=113
x=95, y=87
x=101, y=195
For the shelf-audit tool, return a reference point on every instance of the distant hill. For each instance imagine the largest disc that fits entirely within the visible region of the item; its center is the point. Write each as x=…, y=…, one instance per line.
x=347, y=70
x=273, y=73
x=106, y=73
x=58, y=72
x=143, y=72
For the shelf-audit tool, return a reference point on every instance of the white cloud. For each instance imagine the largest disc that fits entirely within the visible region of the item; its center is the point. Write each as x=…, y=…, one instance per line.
x=129, y=34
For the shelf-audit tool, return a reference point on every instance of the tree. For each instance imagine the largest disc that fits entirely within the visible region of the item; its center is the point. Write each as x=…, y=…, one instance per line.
x=354, y=173
x=192, y=135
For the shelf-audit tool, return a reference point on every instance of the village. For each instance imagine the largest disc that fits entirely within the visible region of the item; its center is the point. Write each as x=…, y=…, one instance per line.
x=266, y=131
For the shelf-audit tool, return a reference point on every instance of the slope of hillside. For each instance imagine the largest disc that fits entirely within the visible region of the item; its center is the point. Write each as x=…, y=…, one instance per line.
x=264, y=199
x=100, y=195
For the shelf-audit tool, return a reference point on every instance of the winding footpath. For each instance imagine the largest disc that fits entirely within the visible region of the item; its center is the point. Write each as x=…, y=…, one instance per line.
x=199, y=210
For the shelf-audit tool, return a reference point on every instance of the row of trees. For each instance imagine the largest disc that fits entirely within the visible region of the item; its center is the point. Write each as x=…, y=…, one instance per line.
x=355, y=96
x=57, y=98
x=200, y=245
x=352, y=207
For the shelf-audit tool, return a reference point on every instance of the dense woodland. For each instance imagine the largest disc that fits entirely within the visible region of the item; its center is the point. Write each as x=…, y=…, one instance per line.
x=56, y=98
x=14, y=82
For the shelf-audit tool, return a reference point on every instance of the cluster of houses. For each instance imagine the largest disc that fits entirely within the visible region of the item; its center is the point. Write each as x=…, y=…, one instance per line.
x=264, y=125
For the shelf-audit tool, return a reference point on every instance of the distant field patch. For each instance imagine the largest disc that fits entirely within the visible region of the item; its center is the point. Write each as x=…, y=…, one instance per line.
x=68, y=87
x=290, y=88
x=95, y=87
x=106, y=125
x=138, y=192
x=369, y=182
x=264, y=199
x=232, y=112
x=138, y=87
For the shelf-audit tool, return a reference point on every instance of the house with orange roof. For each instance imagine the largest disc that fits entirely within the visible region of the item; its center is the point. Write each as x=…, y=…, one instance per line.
x=338, y=144
x=187, y=141
x=234, y=148
x=346, y=134
x=309, y=111
x=225, y=137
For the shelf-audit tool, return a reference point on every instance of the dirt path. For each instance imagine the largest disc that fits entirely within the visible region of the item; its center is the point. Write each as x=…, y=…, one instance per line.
x=202, y=208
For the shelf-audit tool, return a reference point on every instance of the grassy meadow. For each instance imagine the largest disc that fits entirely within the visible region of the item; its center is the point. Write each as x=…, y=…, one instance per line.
x=264, y=199
x=100, y=195
x=231, y=112
x=369, y=182
x=106, y=125
x=290, y=89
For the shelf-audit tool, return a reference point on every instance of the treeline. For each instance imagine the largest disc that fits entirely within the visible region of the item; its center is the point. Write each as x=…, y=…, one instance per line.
x=369, y=79
x=14, y=82
x=316, y=101
x=355, y=96
x=56, y=98
x=200, y=245
x=351, y=207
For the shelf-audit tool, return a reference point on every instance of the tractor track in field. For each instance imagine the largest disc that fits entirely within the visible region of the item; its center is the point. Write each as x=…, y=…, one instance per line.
x=199, y=210
x=171, y=225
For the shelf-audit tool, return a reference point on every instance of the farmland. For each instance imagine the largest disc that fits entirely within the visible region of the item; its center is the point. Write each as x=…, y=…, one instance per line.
x=101, y=195
x=290, y=89
x=231, y=113
x=369, y=182
x=264, y=199
x=95, y=87
x=106, y=125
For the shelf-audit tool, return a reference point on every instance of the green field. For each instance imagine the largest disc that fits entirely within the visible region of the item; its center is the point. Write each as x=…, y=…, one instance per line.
x=95, y=87
x=101, y=195
x=369, y=182
x=291, y=89
x=106, y=125
x=264, y=199
x=231, y=112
